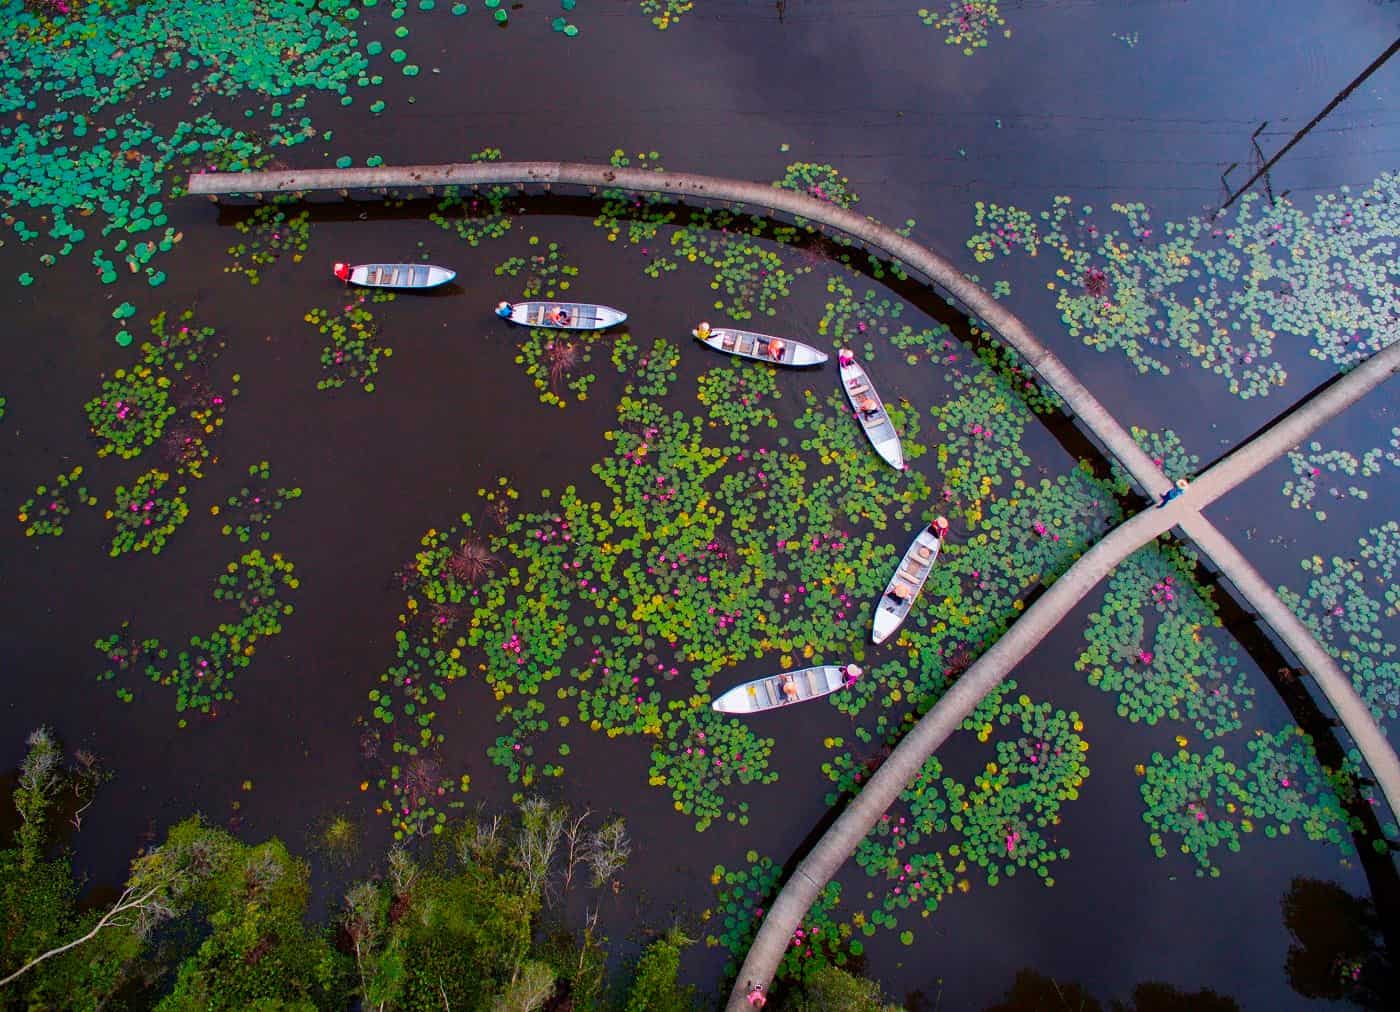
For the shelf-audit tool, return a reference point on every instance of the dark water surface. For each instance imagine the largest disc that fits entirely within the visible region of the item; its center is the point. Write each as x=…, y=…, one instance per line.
x=922, y=132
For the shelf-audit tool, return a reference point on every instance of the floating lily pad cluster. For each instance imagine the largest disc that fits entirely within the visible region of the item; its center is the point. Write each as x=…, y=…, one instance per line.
x=742, y=896
x=665, y=13
x=639, y=215
x=146, y=515
x=248, y=514
x=256, y=587
x=1156, y=643
x=1351, y=605
x=475, y=214
x=856, y=322
x=46, y=514
x=270, y=233
x=1167, y=452
x=820, y=181
x=970, y=24
x=544, y=275
x=1202, y=803
x=1309, y=469
x=1218, y=291
x=353, y=350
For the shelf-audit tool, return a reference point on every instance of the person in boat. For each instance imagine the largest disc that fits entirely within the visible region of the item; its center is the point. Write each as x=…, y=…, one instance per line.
x=867, y=406
x=703, y=330
x=789, y=687
x=900, y=592
x=851, y=673
x=559, y=316
x=775, y=350
x=939, y=528
x=504, y=309
x=846, y=357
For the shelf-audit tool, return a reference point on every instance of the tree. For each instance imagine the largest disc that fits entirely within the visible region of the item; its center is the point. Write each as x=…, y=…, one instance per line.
x=654, y=984
x=832, y=989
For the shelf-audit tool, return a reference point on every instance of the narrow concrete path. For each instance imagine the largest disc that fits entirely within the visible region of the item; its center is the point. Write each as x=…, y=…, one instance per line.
x=785, y=913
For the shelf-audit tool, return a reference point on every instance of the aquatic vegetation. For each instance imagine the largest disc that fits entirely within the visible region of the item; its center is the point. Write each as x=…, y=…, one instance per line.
x=852, y=321
x=131, y=411
x=46, y=514
x=1220, y=292
x=704, y=753
x=1167, y=452
x=1308, y=468
x=478, y=214
x=1154, y=642
x=248, y=513
x=143, y=517
x=546, y=275
x=820, y=181
x=1347, y=616
x=552, y=360
x=271, y=233
x=641, y=215
x=353, y=352
x=201, y=676
x=967, y=23
x=1207, y=802
x=980, y=430
x=741, y=897
x=664, y=13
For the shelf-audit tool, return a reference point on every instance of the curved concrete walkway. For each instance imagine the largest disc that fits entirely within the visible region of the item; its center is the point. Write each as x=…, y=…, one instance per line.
x=785, y=912
x=1114, y=438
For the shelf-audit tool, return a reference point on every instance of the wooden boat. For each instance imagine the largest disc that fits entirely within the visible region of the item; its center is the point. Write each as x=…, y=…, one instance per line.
x=763, y=347
x=394, y=275
x=560, y=315
x=905, y=585
x=878, y=427
x=767, y=693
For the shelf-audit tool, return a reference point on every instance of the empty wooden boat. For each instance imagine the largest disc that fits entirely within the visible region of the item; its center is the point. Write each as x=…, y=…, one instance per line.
x=908, y=580
x=763, y=347
x=560, y=315
x=768, y=694
x=394, y=275
x=870, y=410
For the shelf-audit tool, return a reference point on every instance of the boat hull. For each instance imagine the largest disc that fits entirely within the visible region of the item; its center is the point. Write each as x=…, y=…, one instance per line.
x=766, y=693
x=580, y=315
x=910, y=576
x=878, y=428
x=400, y=276
x=748, y=344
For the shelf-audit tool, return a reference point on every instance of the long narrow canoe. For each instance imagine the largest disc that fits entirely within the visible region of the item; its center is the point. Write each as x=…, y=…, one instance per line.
x=394, y=275
x=560, y=315
x=870, y=412
x=763, y=347
x=905, y=585
x=767, y=693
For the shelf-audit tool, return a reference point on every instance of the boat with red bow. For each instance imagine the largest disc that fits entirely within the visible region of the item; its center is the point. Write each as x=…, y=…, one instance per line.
x=394, y=275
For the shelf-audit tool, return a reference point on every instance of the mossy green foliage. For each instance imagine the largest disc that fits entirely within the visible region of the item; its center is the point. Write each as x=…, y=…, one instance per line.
x=145, y=515
x=1351, y=605
x=475, y=215
x=248, y=514
x=1219, y=291
x=665, y=13
x=1156, y=643
x=47, y=513
x=353, y=349
x=970, y=24
x=1205, y=802
x=1312, y=467
x=742, y=896
x=256, y=949
x=255, y=588
x=270, y=234
x=655, y=986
